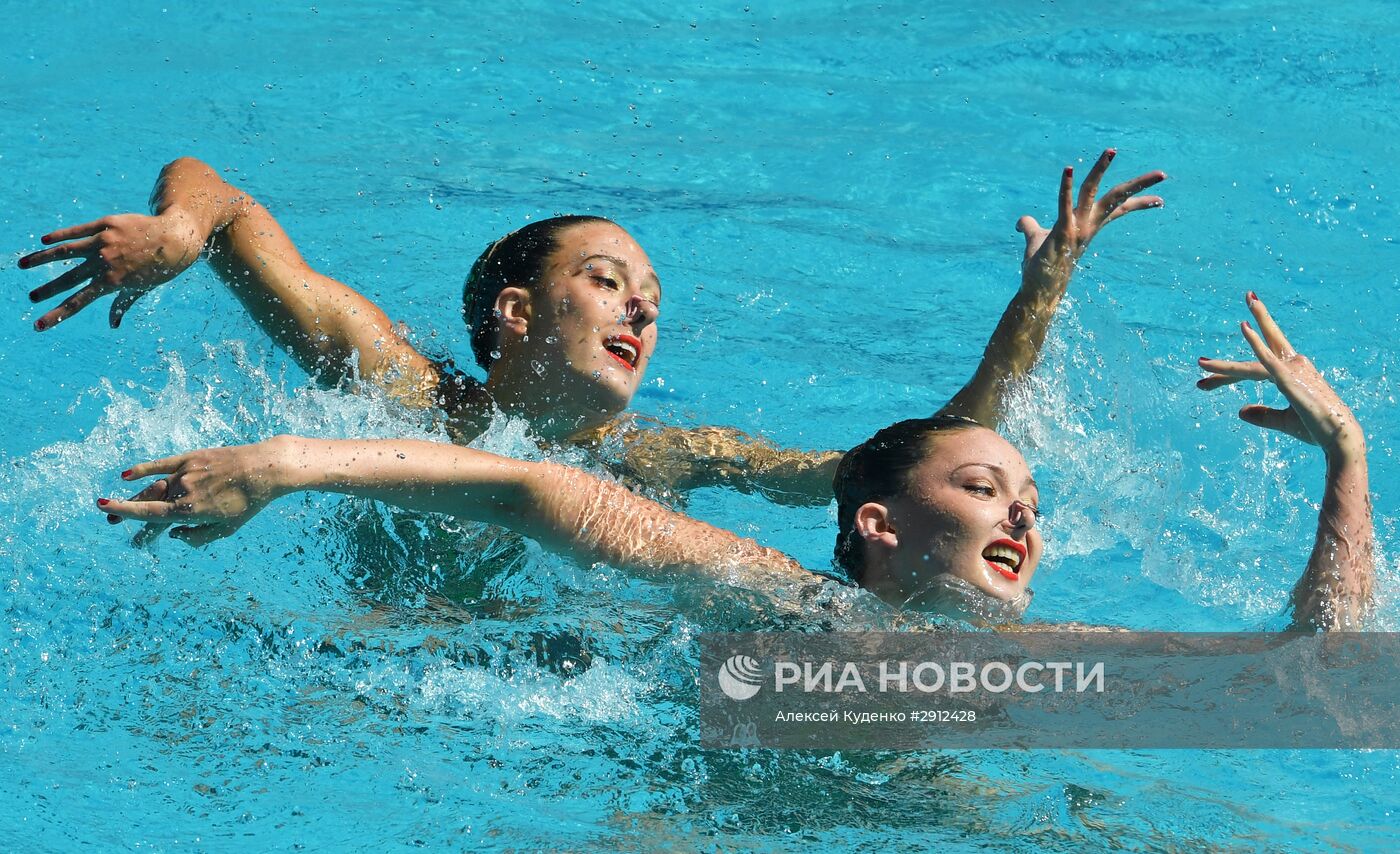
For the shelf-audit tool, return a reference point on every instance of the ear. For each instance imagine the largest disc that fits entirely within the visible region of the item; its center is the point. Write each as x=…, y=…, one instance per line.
x=875, y=525
x=513, y=311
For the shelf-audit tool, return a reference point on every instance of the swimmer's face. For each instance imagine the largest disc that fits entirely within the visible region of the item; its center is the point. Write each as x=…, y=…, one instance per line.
x=592, y=328
x=966, y=513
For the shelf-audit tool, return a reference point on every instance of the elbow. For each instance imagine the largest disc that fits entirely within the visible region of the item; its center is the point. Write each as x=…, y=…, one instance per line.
x=188, y=163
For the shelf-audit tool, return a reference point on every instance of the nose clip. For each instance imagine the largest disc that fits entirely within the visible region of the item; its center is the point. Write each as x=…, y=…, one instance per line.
x=638, y=307
x=1022, y=514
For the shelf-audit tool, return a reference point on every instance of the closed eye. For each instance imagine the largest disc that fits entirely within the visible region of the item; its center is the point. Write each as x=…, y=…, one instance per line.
x=607, y=281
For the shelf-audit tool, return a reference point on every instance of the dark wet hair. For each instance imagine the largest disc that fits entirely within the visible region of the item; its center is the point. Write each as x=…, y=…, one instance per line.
x=878, y=469
x=516, y=259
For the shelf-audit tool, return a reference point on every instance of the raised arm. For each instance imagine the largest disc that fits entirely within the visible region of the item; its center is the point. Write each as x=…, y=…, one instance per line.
x=1334, y=592
x=1051, y=256
x=211, y=493
x=683, y=459
x=325, y=325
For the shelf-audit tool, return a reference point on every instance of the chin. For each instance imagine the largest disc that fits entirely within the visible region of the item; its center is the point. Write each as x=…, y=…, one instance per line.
x=609, y=392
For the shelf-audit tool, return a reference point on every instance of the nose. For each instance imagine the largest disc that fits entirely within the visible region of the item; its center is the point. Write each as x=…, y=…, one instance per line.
x=640, y=311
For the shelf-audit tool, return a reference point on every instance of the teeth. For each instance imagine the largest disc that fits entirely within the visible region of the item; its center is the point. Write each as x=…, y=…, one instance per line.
x=623, y=349
x=1003, y=554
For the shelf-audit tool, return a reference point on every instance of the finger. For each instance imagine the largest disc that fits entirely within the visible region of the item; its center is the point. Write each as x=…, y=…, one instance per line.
x=1266, y=356
x=139, y=509
x=1126, y=190
x=58, y=253
x=86, y=229
x=154, y=492
x=1235, y=370
x=1215, y=381
x=202, y=535
x=1272, y=334
x=1066, y=215
x=1136, y=203
x=69, y=279
x=1282, y=420
x=126, y=298
x=164, y=465
x=71, y=306
x=1089, y=190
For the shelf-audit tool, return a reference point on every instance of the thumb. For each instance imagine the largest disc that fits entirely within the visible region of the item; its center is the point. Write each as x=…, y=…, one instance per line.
x=1027, y=226
x=202, y=535
x=126, y=297
x=1282, y=420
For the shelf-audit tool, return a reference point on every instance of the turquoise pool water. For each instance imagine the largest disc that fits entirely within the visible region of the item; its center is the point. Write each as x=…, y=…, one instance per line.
x=828, y=192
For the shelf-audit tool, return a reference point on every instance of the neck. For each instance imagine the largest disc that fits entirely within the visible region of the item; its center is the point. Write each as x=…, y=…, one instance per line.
x=538, y=402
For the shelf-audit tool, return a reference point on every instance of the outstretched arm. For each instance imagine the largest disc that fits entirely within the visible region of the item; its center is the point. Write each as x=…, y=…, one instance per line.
x=681, y=459
x=211, y=493
x=324, y=324
x=1334, y=592
x=1051, y=256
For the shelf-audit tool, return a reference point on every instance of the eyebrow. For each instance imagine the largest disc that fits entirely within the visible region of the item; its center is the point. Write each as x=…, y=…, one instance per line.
x=1000, y=471
x=624, y=265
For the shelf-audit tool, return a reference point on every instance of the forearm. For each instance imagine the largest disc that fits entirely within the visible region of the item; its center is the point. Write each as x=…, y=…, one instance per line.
x=565, y=509
x=320, y=322
x=685, y=459
x=1015, y=344
x=1334, y=593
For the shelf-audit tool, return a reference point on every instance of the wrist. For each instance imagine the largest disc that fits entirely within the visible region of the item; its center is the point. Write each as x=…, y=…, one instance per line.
x=187, y=232
x=1041, y=274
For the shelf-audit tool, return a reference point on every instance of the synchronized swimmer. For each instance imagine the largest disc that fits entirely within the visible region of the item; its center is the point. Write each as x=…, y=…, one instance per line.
x=925, y=506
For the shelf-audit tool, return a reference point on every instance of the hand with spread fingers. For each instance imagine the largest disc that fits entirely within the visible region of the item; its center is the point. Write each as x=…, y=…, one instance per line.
x=1334, y=592
x=125, y=254
x=1315, y=414
x=1050, y=258
x=208, y=494
x=1051, y=253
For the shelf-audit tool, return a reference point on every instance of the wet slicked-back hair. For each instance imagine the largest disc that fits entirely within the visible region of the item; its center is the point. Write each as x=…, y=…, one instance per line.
x=519, y=259
x=878, y=469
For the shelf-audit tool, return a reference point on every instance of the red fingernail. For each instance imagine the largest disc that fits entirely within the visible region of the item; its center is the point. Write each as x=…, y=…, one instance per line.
x=24, y=263
x=1201, y=358
x=46, y=239
x=1112, y=152
x=1252, y=296
x=126, y=474
x=103, y=502
x=113, y=519
x=1069, y=170
x=40, y=325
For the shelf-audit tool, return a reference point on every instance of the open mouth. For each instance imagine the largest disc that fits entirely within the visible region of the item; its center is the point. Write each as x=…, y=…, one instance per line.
x=1005, y=557
x=624, y=348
